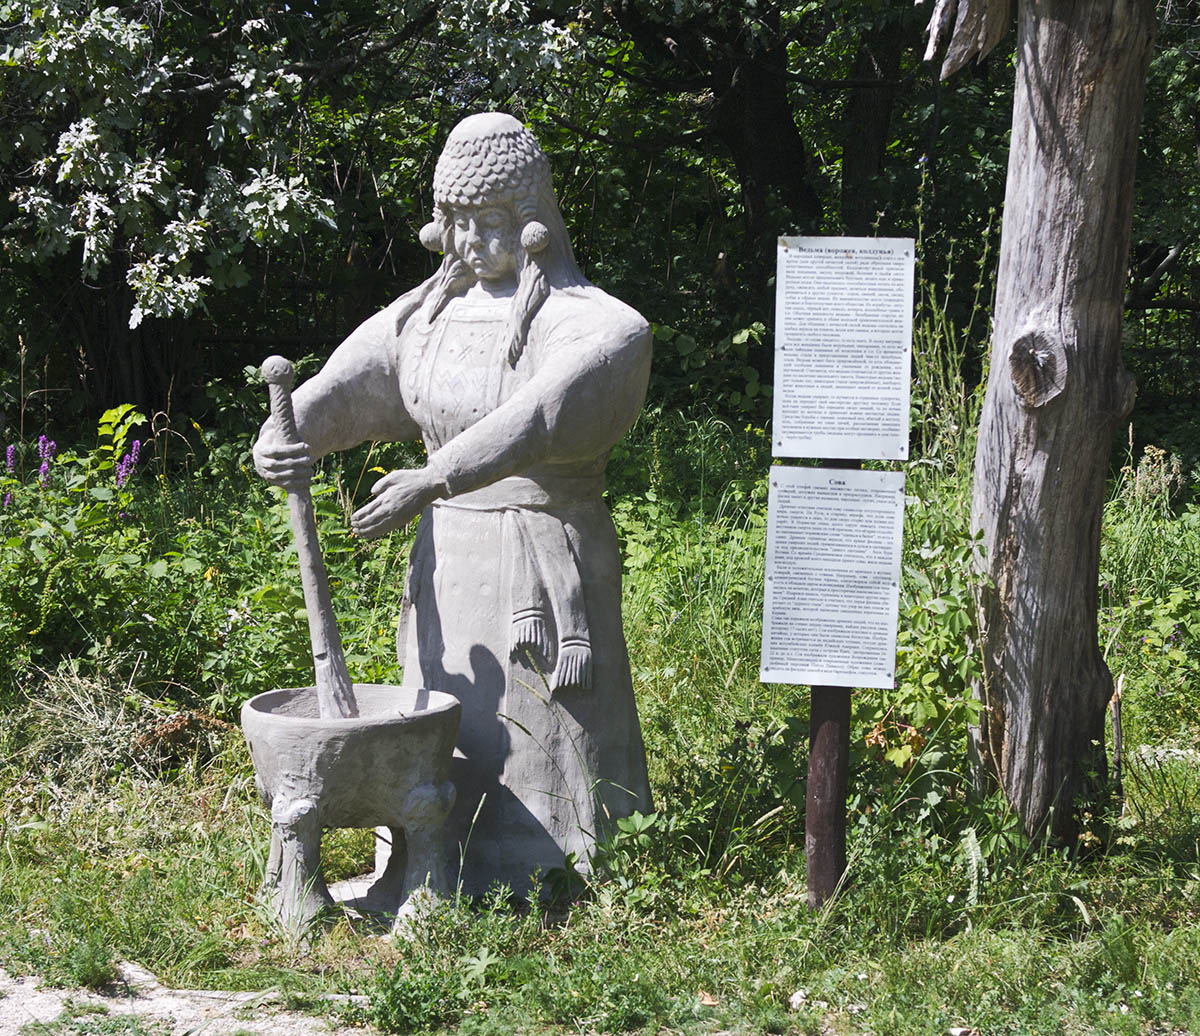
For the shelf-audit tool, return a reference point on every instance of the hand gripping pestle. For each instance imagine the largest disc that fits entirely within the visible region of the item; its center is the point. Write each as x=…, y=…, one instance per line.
x=335, y=693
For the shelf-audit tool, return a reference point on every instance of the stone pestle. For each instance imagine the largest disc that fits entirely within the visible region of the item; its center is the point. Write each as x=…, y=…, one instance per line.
x=335, y=693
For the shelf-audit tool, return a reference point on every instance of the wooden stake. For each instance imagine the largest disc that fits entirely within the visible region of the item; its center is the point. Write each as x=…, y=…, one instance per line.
x=825, y=799
x=828, y=763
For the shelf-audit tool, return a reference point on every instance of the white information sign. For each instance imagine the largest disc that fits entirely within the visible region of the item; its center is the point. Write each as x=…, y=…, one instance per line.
x=833, y=577
x=843, y=347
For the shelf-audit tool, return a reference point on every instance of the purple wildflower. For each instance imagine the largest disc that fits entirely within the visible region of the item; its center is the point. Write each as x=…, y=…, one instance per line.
x=46, y=448
x=44, y=474
x=10, y=457
x=8, y=498
x=128, y=463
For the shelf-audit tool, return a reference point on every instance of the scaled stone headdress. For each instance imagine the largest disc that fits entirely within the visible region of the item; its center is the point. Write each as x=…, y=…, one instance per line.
x=492, y=159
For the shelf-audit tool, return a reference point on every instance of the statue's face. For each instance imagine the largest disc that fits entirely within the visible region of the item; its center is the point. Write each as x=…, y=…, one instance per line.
x=486, y=237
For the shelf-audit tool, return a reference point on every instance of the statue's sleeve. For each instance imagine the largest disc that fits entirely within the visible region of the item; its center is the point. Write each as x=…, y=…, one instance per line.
x=356, y=396
x=587, y=391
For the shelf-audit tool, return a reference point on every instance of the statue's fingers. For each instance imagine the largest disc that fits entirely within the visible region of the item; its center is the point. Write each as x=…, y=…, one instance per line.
x=387, y=481
x=293, y=469
x=286, y=476
x=290, y=457
x=364, y=514
x=295, y=451
x=368, y=518
x=370, y=530
x=283, y=463
x=378, y=517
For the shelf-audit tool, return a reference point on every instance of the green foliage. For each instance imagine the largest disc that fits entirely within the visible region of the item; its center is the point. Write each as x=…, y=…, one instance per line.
x=89, y=962
x=592, y=992
x=1149, y=588
x=937, y=659
x=721, y=373
x=419, y=1002
x=104, y=179
x=1162, y=785
x=64, y=536
x=103, y=553
x=91, y=1021
x=495, y=973
x=949, y=352
x=1168, y=211
x=347, y=852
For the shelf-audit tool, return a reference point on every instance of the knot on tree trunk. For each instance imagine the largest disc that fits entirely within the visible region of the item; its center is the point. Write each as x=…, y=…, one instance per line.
x=1037, y=363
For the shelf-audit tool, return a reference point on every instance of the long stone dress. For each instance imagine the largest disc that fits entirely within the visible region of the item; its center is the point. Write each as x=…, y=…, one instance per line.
x=512, y=599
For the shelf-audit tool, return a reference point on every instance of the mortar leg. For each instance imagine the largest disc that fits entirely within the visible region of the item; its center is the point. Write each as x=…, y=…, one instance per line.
x=424, y=818
x=300, y=894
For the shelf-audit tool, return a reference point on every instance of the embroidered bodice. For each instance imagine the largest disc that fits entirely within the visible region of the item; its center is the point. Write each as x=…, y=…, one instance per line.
x=454, y=371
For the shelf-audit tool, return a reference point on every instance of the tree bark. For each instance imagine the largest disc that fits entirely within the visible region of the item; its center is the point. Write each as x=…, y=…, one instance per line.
x=1056, y=391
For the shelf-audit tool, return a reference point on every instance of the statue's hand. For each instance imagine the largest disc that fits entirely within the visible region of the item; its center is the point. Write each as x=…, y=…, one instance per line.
x=399, y=497
x=282, y=463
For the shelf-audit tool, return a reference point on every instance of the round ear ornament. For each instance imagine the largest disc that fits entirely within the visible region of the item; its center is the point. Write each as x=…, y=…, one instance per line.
x=431, y=237
x=535, y=236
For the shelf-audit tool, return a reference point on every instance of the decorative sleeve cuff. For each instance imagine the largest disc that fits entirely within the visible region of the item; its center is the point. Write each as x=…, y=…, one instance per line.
x=444, y=477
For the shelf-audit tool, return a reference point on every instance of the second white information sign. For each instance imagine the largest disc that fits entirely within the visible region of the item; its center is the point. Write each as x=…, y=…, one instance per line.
x=833, y=577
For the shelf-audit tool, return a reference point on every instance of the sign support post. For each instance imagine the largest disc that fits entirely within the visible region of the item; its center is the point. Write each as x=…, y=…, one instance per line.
x=825, y=797
x=843, y=351
x=825, y=794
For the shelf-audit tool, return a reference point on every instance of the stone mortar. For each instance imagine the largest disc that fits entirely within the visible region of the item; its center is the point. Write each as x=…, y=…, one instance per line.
x=389, y=766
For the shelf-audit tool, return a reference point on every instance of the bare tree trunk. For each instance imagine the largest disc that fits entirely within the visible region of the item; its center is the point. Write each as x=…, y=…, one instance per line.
x=1056, y=391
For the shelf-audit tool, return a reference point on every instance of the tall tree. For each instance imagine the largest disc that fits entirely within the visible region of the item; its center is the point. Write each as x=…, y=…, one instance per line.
x=154, y=163
x=1057, y=386
x=876, y=85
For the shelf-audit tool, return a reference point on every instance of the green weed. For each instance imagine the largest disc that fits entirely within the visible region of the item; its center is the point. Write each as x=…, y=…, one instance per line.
x=78, y=1021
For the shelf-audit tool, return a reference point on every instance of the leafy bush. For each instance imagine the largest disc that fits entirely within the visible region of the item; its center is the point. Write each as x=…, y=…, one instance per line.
x=416, y=1001
x=188, y=573
x=937, y=664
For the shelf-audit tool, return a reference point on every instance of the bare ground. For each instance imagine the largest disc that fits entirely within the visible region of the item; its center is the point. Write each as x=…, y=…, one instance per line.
x=178, y=1012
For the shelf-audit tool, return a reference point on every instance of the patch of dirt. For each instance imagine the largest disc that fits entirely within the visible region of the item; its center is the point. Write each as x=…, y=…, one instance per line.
x=180, y=1012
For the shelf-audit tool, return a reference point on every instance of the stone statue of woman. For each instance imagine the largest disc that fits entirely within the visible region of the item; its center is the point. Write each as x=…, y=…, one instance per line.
x=519, y=376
